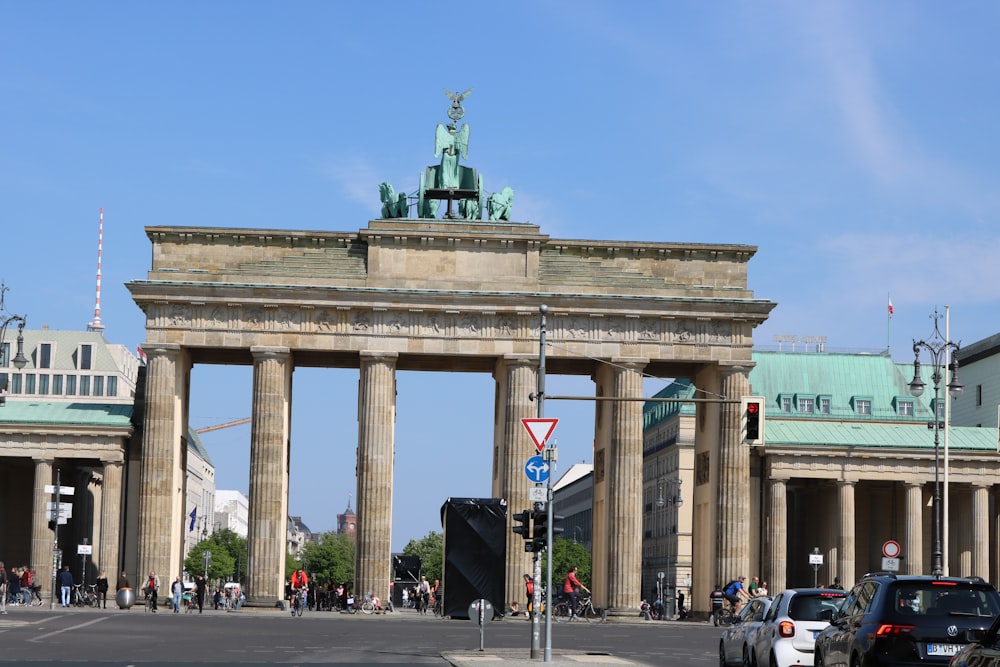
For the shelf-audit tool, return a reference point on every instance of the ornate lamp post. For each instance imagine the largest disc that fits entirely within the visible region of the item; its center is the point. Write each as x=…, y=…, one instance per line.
x=661, y=502
x=937, y=347
x=19, y=361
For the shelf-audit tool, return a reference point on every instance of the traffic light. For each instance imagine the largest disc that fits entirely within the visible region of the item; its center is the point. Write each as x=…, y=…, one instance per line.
x=522, y=524
x=753, y=419
x=540, y=533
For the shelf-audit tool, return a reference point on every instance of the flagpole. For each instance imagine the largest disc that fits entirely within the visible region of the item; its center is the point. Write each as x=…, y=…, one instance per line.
x=888, y=328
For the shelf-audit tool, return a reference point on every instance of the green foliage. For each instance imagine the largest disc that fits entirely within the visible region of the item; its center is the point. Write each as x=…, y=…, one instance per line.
x=228, y=551
x=331, y=558
x=565, y=554
x=430, y=549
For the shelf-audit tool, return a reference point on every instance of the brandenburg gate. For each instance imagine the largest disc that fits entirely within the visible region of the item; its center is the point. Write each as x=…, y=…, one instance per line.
x=455, y=293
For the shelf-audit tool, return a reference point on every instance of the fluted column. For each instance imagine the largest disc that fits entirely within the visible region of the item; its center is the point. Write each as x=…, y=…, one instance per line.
x=516, y=379
x=777, y=536
x=269, y=447
x=981, y=531
x=845, y=538
x=162, y=476
x=41, y=536
x=733, y=531
x=624, y=490
x=108, y=558
x=913, y=541
x=376, y=437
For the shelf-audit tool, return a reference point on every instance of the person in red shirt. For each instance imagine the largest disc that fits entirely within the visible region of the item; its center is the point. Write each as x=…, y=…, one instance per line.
x=299, y=581
x=571, y=586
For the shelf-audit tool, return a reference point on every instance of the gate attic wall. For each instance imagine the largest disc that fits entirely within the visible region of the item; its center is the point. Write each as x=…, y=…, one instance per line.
x=445, y=296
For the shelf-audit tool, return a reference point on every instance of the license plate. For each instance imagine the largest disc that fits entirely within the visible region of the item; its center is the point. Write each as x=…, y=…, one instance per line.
x=943, y=649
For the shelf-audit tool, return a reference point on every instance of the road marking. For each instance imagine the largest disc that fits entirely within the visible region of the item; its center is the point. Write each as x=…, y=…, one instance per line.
x=72, y=627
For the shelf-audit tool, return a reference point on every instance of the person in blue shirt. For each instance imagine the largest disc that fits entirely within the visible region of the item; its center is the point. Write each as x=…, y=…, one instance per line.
x=65, y=584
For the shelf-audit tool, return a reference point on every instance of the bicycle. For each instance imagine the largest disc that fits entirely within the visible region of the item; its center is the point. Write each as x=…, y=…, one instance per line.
x=299, y=602
x=724, y=615
x=562, y=612
x=368, y=607
x=150, y=603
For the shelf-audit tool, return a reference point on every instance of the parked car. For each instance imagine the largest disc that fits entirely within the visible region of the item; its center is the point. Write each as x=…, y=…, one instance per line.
x=984, y=649
x=788, y=633
x=734, y=647
x=907, y=620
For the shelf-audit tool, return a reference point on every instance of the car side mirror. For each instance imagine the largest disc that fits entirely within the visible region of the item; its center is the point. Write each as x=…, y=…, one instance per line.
x=825, y=615
x=975, y=636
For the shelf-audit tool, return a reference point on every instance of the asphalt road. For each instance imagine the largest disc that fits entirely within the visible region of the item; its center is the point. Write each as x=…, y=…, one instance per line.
x=113, y=637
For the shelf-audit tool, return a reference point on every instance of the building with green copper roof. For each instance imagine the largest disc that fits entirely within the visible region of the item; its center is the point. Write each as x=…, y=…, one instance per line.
x=846, y=463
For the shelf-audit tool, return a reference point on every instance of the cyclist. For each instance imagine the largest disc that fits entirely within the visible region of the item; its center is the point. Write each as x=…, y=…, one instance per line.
x=571, y=588
x=299, y=581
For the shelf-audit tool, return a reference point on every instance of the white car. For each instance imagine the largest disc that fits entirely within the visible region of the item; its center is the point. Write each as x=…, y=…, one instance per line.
x=787, y=635
x=734, y=647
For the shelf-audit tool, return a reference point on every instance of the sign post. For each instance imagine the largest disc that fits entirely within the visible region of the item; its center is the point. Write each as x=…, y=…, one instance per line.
x=816, y=560
x=891, y=556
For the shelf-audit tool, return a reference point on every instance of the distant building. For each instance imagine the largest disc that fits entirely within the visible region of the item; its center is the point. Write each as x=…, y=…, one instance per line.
x=979, y=371
x=347, y=523
x=200, y=492
x=232, y=512
x=573, y=495
x=298, y=535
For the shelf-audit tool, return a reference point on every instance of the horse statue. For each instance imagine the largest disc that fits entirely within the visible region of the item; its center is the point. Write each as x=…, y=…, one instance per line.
x=499, y=204
x=393, y=205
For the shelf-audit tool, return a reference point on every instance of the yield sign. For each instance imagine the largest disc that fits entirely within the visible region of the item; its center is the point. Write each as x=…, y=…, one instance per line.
x=539, y=429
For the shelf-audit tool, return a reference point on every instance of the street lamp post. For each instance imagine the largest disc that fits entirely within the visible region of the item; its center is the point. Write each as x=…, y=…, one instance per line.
x=19, y=361
x=661, y=502
x=938, y=348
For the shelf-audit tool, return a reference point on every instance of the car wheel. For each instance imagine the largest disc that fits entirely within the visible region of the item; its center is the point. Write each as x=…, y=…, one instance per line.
x=772, y=659
x=818, y=659
x=746, y=657
x=722, y=655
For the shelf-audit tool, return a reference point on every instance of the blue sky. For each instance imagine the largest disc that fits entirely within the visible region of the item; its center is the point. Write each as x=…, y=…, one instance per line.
x=855, y=143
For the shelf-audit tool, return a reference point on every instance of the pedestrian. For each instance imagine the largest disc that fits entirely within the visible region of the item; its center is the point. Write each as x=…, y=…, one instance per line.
x=177, y=591
x=836, y=584
x=217, y=598
x=123, y=581
x=681, y=611
x=65, y=584
x=36, y=588
x=644, y=610
x=202, y=587
x=102, y=589
x=25, y=585
x=716, y=600
x=762, y=589
x=3, y=588
x=529, y=591
x=571, y=587
x=754, y=585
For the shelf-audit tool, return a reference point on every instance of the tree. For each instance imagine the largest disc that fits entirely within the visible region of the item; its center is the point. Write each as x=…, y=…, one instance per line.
x=227, y=549
x=565, y=554
x=430, y=549
x=330, y=557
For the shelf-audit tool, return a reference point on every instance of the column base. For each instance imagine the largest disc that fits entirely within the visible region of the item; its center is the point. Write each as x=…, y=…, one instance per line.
x=264, y=602
x=622, y=615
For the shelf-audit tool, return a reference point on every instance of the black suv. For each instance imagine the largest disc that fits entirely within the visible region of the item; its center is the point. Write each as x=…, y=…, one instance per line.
x=906, y=620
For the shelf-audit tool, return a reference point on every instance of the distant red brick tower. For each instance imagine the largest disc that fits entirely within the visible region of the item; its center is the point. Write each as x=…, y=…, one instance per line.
x=348, y=522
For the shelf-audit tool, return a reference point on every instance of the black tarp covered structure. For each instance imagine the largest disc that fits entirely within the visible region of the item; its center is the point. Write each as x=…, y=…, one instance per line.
x=475, y=553
x=405, y=573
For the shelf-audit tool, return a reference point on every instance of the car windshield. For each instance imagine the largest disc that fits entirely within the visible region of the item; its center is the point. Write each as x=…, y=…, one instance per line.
x=807, y=606
x=933, y=598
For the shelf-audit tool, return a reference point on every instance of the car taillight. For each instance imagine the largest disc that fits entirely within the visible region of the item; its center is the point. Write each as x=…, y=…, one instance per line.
x=887, y=629
x=786, y=629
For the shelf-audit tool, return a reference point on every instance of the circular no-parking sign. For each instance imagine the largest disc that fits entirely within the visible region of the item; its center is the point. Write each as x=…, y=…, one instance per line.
x=891, y=549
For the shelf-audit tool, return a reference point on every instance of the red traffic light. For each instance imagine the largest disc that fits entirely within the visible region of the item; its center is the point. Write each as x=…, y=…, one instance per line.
x=753, y=408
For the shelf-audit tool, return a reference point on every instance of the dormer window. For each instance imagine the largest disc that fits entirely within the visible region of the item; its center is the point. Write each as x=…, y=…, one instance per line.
x=862, y=405
x=807, y=405
x=85, y=358
x=823, y=404
x=45, y=355
x=785, y=402
x=904, y=406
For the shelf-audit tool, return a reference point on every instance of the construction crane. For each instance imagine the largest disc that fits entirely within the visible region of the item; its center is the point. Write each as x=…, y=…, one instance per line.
x=216, y=427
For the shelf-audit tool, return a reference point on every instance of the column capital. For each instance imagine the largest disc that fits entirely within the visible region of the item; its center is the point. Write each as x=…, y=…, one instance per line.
x=45, y=458
x=113, y=459
x=730, y=367
x=269, y=351
x=847, y=482
x=519, y=359
x=637, y=364
x=373, y=357
x=161, y=349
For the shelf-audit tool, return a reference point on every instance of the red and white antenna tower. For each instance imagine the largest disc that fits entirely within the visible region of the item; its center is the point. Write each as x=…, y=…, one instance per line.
x=96, y=324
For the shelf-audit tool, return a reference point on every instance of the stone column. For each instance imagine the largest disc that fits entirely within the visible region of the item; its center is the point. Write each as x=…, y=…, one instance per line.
x=624, y=490
x=913, y=540
x=108, y=558
x=41, y=536
x=981, y=531
x=161, y=495
x=845, y=538
x=269, y=446
x=376, y=433
x=777, y=536
x=733, y=521
x=516, y=379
